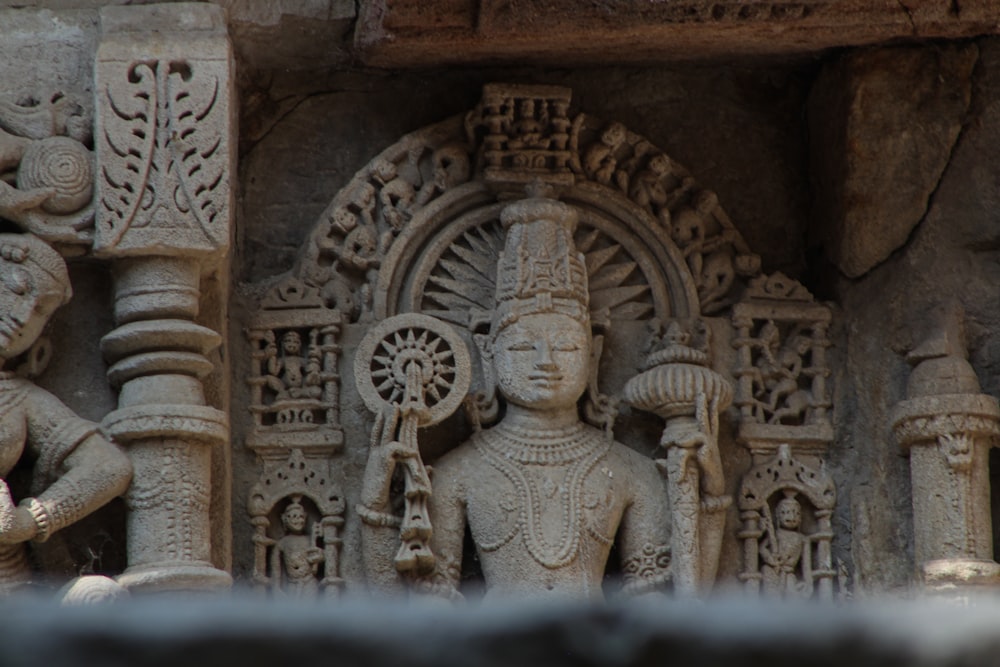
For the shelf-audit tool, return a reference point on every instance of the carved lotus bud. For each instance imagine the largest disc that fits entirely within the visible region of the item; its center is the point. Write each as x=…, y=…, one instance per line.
x=674, y=378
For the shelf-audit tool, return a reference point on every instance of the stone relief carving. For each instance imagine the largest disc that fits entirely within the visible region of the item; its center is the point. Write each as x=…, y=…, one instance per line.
x=297, y=512
x=677, y=385
x=543, y=494
x=787, y=499
x=47, y=169
x=948, y=426
x=164, y=146
x=296, y=507
x=295, y=395
x=786, y=507
x=76, y=469
x=435, y=248
x=163, y=131
x=782, y=373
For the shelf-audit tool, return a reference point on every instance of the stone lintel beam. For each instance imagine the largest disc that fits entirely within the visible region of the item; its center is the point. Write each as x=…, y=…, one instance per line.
x=416, y=33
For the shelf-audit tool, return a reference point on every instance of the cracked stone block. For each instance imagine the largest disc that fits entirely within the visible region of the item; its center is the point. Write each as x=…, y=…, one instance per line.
x=883, y=125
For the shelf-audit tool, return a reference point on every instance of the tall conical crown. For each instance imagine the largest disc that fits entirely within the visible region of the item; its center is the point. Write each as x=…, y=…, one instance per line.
x=540, y=270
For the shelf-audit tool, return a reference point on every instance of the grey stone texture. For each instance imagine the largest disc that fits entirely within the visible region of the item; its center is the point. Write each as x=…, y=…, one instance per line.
x=883, y=124
x=867, y=175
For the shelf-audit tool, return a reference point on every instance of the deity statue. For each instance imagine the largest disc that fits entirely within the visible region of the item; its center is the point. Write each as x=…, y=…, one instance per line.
x=296, y=557
x=76, y=469
x=291, y=375
x=779, y=369
x=783, y=549
x=544, y=495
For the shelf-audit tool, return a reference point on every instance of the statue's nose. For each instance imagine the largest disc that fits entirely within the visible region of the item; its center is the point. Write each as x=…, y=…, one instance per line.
x=543, y=356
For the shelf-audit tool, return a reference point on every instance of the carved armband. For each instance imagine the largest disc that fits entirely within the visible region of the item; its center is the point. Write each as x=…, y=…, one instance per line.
x=646, y=571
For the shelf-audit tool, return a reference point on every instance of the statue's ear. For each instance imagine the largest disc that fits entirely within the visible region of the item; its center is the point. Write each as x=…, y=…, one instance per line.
x=482, y=407
x=596, y=349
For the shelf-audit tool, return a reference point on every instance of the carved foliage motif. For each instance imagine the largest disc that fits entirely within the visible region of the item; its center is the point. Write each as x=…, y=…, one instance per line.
x=46, y=168
x=163, y=139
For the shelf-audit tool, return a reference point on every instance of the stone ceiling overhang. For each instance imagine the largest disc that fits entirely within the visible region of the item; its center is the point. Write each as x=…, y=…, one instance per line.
x=416, y=33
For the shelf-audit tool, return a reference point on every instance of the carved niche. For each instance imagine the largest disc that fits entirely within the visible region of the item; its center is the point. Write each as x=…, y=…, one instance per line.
x=296, y=508
x=455, y=242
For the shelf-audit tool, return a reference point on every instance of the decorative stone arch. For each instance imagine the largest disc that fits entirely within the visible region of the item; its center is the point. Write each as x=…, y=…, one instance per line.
x=377, y=246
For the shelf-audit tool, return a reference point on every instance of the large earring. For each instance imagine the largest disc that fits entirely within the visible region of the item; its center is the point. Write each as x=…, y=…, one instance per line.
x=482, y=407
x=36, y=359
x=600, y=410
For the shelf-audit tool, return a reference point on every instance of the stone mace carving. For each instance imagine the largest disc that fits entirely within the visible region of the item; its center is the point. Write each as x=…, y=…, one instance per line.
x=412, y=371
x=678, y=386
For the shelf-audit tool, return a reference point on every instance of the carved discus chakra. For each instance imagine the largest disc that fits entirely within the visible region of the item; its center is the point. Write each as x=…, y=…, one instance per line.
x=417, y=346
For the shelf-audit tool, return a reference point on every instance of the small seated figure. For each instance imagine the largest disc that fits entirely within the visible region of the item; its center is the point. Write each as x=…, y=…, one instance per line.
x=544, y=494
x=600, y=161
x=76, y=470
x=291, y=375
x=295, y=559
x=784, y=549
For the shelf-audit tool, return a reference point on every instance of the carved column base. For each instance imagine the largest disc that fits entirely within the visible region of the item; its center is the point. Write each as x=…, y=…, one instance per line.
x=176, y=576
x=960, y=576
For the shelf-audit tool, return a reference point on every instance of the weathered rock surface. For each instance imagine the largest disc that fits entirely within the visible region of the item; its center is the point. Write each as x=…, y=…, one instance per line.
x=883, y=124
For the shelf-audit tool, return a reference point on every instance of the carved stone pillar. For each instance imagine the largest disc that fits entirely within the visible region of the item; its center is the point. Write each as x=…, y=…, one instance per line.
x=165, y=152
x=948, y=426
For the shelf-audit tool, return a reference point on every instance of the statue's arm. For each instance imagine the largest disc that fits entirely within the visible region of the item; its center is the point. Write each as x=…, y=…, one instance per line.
x=643, y=538
x=448, y=516
x=78, y=469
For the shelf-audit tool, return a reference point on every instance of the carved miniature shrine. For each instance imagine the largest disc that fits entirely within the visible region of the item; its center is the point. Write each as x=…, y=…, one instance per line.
x=668, y=327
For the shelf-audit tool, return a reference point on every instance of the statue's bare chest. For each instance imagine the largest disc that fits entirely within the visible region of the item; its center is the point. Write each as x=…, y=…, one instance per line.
x=548, y=508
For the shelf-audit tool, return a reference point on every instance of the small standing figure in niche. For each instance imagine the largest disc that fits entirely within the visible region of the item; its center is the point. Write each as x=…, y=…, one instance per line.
x=296, y=556
x=291, y=375
x=76, y=470
x=784, y=549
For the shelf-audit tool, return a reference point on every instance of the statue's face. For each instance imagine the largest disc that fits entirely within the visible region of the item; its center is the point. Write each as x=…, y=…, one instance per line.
x=789, y=515
x=27, y=300
x=542, y=361
x=294, y=519
x=292, y=343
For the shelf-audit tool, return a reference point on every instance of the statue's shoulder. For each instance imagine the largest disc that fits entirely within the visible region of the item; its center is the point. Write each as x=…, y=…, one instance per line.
x=636, y=465
x=463, y=457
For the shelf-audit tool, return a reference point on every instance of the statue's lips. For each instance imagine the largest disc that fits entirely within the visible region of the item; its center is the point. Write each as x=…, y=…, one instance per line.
x=545, y=378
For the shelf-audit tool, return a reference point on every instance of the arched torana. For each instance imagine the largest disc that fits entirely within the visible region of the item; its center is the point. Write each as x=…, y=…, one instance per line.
x=417, y=229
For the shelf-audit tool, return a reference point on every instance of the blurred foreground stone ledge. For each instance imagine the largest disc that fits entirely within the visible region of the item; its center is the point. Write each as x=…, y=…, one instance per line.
x=732, y=633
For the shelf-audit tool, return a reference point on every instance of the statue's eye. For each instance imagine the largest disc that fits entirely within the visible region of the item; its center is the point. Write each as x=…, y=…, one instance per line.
x=521, y=346
x=565, y=346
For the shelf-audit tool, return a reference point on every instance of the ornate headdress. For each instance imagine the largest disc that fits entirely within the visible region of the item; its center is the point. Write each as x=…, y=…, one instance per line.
x=540, y=270
x=32, y=252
